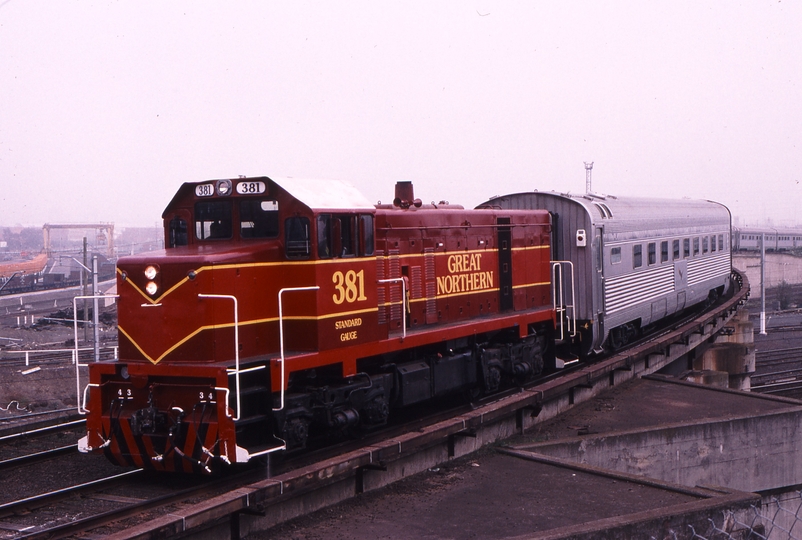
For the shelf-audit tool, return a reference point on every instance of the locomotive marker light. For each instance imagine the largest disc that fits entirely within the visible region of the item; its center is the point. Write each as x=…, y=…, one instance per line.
x=581, y=238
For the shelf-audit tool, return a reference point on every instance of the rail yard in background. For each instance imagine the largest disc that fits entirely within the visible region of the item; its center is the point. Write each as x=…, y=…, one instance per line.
x=38, y=318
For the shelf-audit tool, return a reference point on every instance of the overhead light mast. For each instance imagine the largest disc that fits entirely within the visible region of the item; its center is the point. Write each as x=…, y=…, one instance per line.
x=588, y=169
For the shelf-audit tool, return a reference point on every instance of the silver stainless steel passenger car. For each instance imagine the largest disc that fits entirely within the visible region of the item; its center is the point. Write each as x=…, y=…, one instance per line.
x=750, y=238
x=634, y=260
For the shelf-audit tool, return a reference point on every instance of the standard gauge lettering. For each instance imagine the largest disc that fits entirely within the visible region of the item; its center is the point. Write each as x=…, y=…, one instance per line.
x=348, y=323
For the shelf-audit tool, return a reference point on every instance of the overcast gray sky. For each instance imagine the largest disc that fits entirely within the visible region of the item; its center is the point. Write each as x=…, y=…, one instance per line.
x=107, y=107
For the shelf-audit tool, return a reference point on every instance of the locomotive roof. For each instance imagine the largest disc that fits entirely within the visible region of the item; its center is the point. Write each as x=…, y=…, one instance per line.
x=324, y=194
x=317, y=194
x=620, y=214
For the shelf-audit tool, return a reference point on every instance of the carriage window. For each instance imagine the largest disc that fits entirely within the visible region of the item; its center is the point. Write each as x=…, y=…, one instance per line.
x=652, y=253
x=615, y=255
x=713, y=243
x=663, y=251
x=177, y=232
x=296, y=238
x=704, y=244
x=258, y=219
x=366, y=226
x=675, y=249
x=637, y=256
x=696, y=246
x=721, y=242
x=686, y=248
x=213, y=220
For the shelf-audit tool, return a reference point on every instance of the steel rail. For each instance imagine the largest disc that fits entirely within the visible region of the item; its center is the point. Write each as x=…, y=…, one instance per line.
x=36, y=457
x=74, y=527
x=52, y=496
x=42, y=430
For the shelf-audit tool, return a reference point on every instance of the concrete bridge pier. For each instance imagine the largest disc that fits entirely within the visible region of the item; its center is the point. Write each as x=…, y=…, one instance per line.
x=727, y=360
x=730, y=360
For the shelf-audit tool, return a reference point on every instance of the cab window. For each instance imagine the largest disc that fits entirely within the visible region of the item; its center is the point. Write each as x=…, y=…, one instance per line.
x=213, y=220
x=344, y=235
x=296, y=238
x=177, y=232
x=258, y=218
x=324, y=247
x=366, y=226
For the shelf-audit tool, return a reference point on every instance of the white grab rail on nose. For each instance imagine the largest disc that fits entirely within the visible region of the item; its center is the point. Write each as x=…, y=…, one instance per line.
x=236, y=371
x=82, y=406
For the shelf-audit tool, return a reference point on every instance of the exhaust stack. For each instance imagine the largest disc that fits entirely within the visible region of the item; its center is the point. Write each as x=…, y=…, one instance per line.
x=404, y=195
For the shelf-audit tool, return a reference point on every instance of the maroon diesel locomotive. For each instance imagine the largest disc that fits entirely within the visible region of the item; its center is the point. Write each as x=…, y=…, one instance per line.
x=282, y=309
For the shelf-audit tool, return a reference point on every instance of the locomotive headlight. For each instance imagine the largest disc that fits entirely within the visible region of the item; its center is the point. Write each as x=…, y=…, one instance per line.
x=150, y=272
x=151, y=288
x=224, y=187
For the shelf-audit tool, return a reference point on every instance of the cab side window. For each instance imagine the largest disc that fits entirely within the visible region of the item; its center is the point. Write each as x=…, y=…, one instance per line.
x=344, y=235
x=324, y=247
x=296, y=238
x=177, y=232
x=368, y=236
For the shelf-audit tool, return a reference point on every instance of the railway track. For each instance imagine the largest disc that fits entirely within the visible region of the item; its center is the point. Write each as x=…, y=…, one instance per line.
x=380, y=458
x=376, y=459
x=38, y=444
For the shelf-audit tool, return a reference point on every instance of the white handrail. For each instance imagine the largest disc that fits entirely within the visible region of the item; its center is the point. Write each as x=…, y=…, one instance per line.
x=281, y=332
x=78, y=364
x=404, y=306
x=236, y=344
x=557, y=297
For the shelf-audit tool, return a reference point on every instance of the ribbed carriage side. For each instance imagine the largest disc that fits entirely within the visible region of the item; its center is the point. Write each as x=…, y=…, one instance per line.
x=630, y=258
